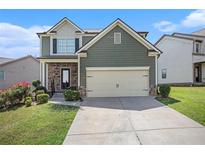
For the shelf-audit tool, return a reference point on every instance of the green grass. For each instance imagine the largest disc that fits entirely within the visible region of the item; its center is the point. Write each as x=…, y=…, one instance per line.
x=188, y=100
x=40, y=124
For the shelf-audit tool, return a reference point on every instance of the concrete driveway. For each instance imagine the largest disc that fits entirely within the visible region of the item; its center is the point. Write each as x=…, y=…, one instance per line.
x=132, y=120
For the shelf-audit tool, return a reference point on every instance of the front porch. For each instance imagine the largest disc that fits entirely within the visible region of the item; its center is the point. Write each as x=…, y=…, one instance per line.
x=199, y=73
x=58, y=74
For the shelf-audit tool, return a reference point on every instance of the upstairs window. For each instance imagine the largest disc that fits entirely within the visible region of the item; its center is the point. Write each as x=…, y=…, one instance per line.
x=117, y=38
x=164, y=73
x=63, y=46
x=197, y=47
x=2, y=75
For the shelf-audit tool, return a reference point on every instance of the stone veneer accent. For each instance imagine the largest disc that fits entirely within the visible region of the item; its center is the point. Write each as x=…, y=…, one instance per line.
x=54, y=72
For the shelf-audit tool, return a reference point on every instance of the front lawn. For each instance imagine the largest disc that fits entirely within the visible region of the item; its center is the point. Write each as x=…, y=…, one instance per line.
x=188, y=100
x=40, y=124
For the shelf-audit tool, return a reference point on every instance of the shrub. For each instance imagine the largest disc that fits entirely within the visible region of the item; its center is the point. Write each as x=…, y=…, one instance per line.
x=2, y=102
x=41, y=88
x=28, y=101
x=71, y=95
x=39, y=92
x=3, y=98
x=14, y=94
x=164, y=90
x=36, y=83
x=42, y=98
x=72, y=88
x=10, y=95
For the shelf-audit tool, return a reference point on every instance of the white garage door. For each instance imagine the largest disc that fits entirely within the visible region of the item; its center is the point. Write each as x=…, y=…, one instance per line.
x=117, y=82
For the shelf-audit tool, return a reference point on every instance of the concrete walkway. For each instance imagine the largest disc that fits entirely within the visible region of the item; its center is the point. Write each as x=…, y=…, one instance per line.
x=58, y=98
x=134, y=120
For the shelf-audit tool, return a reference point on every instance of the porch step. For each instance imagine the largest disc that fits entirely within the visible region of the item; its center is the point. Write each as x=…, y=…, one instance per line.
x=58, y=98
x=58, y=95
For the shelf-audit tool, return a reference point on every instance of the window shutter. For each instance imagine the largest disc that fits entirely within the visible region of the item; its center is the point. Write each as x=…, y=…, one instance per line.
x=54, y=46
x=76, y=44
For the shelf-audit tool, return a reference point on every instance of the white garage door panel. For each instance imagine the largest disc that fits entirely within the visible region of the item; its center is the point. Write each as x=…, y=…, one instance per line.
x=102, y=83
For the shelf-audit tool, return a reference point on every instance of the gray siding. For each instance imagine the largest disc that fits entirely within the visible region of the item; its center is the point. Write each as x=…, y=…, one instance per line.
x=45, y=46
x=26, y=69
x=86, y=39
x=105, y=53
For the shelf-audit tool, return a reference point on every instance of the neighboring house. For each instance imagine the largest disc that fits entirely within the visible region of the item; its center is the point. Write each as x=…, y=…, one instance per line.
x=22, y=69
x=116, y=61
x=3, y=60
x=183, y=58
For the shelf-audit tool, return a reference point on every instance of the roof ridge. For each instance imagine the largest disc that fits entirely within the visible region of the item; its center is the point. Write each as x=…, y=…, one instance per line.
x=18, y=59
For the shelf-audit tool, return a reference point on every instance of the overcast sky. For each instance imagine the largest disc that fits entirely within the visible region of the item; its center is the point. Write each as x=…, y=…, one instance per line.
x=18, y=27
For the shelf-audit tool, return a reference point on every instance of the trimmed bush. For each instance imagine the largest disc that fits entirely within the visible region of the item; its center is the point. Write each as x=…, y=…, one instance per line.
x=72, y=88
x=42, y=98
x=36, y=83
x=39, y=92
x=41, y=88
x=28, y=101
x=71, y=95
x=164, y=90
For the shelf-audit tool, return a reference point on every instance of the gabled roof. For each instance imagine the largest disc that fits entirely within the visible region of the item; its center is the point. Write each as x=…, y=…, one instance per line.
x=199, y=32
x=124, y=26
x=166, y=35
x=4, y=59
x=187, y=34
x=19, y=59
x=65, y=19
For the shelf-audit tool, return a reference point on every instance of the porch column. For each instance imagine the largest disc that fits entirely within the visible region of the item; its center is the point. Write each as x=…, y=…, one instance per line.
x=46, y=76
x=40, y=72
x=78, y=70
x=43, y=74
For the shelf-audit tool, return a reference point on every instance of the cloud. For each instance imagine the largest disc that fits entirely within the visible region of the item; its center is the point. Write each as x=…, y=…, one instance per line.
x=17, y=41
x=165, y=26
x=195, y=19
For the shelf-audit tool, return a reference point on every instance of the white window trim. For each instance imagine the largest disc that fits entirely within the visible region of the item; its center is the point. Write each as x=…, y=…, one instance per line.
x=64, y=54
x=67, y=52
x=115, y=35
x=199, y=47
x=164, y=69
x=4, y=76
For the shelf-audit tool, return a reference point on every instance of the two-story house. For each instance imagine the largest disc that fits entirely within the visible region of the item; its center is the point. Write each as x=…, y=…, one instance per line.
x=183, y=58
x=115, y=61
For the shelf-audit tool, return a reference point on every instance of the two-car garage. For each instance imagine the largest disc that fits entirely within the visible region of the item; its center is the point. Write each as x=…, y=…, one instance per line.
x=117, y=81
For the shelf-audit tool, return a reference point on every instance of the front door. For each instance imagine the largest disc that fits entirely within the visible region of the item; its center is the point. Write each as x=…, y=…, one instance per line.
x=65, y=78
